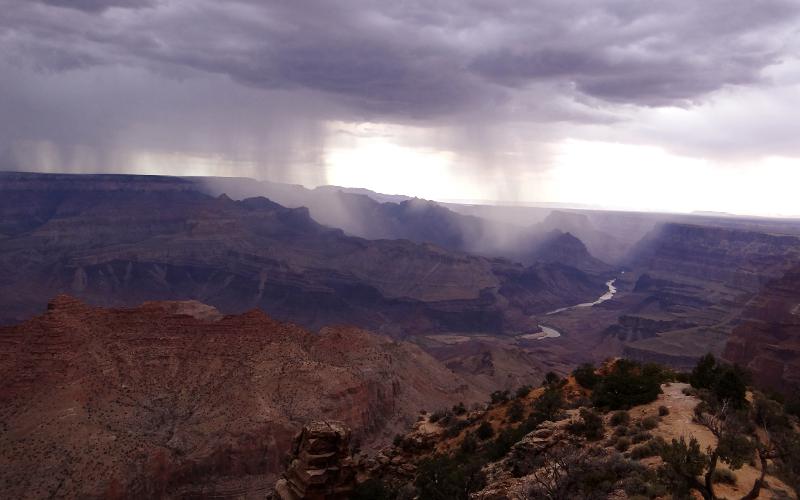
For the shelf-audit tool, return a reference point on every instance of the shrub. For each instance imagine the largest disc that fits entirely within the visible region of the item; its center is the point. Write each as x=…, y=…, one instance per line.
x=621, y=417
x=456, y=426
x=683, y=462
x=792, y=406
x=621, y=430
x=373, y=489
x=445, y=477
x=523, y=391
x=498, y=397
x=663, y=411
x=485, y=431
x=704, y=373
x=516, y=412
x=641, y=437
x=589, y=426
x=727, y=383
x=459, y=409
x=628, y=384
x=437, y=415
x=551, y=378
x=548, y=406
x=649, y=423
x=731, y=386
x=648, y=449
x=469, y=444
x=623, y=444
x=586, y=375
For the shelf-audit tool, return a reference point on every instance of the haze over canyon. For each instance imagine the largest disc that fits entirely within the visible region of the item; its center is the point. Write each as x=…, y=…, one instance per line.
x=448, y=250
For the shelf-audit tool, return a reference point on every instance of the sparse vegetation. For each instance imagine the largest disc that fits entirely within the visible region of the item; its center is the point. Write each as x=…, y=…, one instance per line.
x=621, y=417
x=593, y=471
x=523, y=391
x=515, y=412
x=589, y=426
x=649, y=449
x=586, y=375
x=485, y=431
x=649, y=423
x=499, y=397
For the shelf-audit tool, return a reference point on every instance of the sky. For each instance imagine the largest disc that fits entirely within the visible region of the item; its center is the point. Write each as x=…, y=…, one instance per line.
x=630, y=104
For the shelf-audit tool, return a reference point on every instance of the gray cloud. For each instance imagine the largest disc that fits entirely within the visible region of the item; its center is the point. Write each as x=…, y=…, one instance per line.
x=98, y=5
x=422, y=60
x=242, y=78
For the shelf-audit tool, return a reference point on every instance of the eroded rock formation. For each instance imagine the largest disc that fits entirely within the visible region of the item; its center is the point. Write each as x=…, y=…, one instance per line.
x=174, y=399
x=321, y=466
x=767, y=341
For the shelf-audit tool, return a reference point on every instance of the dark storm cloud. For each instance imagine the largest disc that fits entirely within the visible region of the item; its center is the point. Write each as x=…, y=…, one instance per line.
x=98, y=5
x=422, y=59
x=247, y=79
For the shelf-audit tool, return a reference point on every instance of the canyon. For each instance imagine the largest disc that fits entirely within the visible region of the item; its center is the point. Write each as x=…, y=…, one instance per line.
x=168, y=336
x=177, y=399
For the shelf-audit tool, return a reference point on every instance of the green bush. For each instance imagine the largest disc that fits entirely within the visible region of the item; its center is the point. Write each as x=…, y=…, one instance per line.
x=438, y=415
x=455, y=426
x=548, y=406
x=663, y=411
x=485, y=431
x=373, y=489
x=515, y=412
x=589, y=426
x=648, y=449
x=444, y=478
x=621, y=417
x=727, y=383
x=498, y=397
x=523, y=391
x=586, y=375
x=628, y=384
x=649, y=423
x=622, y=444
x=621, y=430
x=469, y=444
x=704, y=373
x=551, y=378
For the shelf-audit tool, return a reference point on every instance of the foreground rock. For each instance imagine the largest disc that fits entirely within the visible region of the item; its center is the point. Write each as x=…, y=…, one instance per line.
x=174, y=399
x=321, y=467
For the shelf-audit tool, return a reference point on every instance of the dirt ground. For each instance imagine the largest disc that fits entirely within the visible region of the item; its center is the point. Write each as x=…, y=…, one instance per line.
x=680, y=422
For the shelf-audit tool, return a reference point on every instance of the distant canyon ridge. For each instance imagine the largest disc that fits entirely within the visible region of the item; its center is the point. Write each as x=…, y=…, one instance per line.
x=470, y=284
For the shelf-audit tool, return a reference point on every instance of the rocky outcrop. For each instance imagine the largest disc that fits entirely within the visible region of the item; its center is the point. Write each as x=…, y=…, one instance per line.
x=565, y=248
x=767, y=340
x=176, y=399
x=320, y=466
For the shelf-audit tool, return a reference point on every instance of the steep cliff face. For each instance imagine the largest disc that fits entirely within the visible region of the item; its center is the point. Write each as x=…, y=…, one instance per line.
x=170, y=397
x=767, y=341
x=693, y=282
x=112, y=245
x=565, y=248
x=740, y=259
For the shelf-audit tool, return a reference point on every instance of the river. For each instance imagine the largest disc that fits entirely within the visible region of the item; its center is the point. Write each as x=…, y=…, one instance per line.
x=549, y=332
